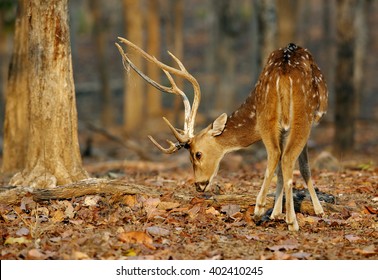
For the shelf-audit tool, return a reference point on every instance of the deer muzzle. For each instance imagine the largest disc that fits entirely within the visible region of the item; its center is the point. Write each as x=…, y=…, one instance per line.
x=201, y=186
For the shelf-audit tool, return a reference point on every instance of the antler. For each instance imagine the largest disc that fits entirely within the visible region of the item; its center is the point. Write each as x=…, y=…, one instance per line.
x=190, y=112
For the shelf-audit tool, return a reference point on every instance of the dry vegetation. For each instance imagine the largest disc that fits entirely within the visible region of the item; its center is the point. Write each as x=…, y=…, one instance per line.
x=167, y=219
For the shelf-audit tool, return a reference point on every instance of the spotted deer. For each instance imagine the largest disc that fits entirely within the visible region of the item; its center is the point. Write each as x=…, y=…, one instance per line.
x=289, y=97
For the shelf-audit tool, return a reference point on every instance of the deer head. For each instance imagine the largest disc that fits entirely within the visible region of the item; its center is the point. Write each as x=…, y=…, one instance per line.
x=204, y=149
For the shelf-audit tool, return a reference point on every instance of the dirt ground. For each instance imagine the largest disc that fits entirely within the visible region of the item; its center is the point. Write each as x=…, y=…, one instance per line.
x=172, y=221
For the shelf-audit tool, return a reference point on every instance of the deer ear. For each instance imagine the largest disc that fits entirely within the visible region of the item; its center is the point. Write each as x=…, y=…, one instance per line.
x=218, y=125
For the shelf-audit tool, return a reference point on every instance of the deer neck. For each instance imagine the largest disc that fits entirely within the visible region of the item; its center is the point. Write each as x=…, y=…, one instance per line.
x=241, y=130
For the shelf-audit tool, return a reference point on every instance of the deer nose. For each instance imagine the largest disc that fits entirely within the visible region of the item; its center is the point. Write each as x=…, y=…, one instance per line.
x=201, y=186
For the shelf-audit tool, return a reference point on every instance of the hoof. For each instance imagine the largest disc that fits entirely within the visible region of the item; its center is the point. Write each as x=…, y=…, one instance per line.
x=259, y=211
x=278, y=216
x=294, y=226
x=319, y=212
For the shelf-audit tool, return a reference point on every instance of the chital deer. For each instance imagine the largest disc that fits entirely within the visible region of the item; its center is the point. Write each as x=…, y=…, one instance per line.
x=288, y=98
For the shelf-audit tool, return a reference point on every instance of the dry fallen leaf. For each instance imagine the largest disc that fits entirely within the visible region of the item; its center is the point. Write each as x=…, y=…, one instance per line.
x=27, y=203
x=35, y=254
x=278, y=255
x=77, y=255
x=69, y=212
x=312, y=220
x=137, y=237
x=211, y=210
x=158, y=231
x=288, y=244
x=22, y=231
x=282, y=247
x=370, y=210
x=230, y=209
x=196, y=200
x=130, y=200
x=248, y=215
x=352, y=237
x=367, y=251
x=19, y=240
x=58, y=216
x=166, y=205
x=193, y=212
x=151, y=202
x=91, y=200
x=130, y=253
x=301, y=255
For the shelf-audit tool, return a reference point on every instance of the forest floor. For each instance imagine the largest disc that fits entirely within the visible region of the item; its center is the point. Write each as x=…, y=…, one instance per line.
x=180, y=223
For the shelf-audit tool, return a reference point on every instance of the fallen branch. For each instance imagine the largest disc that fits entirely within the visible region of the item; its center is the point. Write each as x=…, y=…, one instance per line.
x=77, y=189
x=105, y=186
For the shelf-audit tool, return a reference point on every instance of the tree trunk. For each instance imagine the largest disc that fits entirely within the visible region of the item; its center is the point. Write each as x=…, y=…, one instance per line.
x=99, y=34
x=286, y=15
x=53, y=155
x=210, y=81
x=134, y=105
x=16, y=121
x=154, y=108
x=267, y=19
x=4, y=40
x=344, y=88
x=178, y=41
x=360, y=51
x=228, y=28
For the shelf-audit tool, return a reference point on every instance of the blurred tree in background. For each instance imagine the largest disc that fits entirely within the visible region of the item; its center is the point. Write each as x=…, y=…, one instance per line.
x=222, y=43
x=100, y=27
x=134, y=86
x=7, y=23
x=16, y=123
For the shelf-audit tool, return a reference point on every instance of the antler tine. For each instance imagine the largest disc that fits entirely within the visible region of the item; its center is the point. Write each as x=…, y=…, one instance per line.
x=182, y=138
x=173, y=147
x=126, y=60
x=190, y=119
x=190, y=112
x=179, y=63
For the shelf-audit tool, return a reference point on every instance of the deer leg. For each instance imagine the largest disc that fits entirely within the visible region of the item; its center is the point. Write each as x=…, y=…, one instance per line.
x=304, y=168
x=274, y=153
x=288, y=168
x=277, y=210
x=293, y=149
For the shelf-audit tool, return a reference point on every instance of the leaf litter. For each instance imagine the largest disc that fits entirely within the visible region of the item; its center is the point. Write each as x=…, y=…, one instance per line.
x=183, y=224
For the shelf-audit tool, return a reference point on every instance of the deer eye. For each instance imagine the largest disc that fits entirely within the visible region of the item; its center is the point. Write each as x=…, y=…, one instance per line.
x=198, y=155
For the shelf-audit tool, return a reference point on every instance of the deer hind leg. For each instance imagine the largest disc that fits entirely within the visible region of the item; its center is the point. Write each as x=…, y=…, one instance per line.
x=304, y=168
x=293, y=148
x=277, y=210
x=274, y=152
